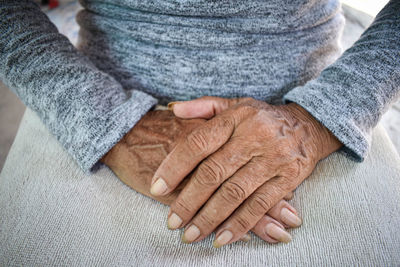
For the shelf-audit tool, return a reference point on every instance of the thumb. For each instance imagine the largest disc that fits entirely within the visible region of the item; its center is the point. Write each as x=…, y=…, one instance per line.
x=205, y=107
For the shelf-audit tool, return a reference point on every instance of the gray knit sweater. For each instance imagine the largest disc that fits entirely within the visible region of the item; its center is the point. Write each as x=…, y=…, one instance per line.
x=133, y=53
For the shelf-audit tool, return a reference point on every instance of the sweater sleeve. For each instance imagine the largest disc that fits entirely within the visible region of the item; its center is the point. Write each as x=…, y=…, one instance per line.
x=350, y=96
x=86, y=109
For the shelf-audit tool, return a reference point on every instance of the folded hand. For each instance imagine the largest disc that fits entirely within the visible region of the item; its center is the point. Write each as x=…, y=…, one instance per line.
x=137, y=156
x=245, y=158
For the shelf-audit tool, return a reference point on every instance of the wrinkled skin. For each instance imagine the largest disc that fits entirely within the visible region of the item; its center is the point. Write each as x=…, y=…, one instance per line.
x=136, y=157
x=246, y=158
x=140, y=152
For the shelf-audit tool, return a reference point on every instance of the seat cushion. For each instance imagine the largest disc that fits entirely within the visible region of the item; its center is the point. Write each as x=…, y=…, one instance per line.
x=52, y=213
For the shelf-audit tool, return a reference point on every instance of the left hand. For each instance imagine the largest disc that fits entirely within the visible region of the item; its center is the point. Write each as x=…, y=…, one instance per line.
x=248, y=155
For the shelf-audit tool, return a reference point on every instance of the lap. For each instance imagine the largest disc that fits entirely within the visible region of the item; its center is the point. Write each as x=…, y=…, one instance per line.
x=54, y=214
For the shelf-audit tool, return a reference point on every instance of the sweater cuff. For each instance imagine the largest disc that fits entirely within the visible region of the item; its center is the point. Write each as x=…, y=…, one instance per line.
x=108, y=130
x=330, y=112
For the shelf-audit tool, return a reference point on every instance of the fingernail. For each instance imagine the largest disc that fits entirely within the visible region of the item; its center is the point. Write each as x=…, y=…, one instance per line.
x=174, y=221
x=170, y=105
x=245, y=238
x=159, y=187
x=223, y=239
x=191, y=234
x=289, y=218
x=278, y=233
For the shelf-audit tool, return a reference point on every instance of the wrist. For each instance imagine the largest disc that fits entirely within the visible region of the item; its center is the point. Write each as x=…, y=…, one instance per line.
x=325, y=142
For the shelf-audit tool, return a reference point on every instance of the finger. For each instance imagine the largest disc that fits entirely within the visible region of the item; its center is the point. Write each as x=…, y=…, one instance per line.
x=245, y=238
x=271, y=230
x=196, y=146
x=279, y=219
x=289, y=196
x=205, y=107
x=224, y=202
x=209, y=175
x=285, y=214
x=251, y=211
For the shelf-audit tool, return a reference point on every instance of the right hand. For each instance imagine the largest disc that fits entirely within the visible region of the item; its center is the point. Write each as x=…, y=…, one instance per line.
x=136, y=157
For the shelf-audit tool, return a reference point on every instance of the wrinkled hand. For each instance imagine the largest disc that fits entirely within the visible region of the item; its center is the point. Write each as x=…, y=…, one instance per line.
x=249, y=156
x=139, y=153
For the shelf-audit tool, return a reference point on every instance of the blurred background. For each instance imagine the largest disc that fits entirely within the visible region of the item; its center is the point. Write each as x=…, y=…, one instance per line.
x=358, y=13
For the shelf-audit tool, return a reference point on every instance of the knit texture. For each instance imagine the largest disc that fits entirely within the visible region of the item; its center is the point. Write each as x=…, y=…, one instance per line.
x=52, y=214
x=85, y=108
x=351, y=95
x=180, y=50
x=134, y=52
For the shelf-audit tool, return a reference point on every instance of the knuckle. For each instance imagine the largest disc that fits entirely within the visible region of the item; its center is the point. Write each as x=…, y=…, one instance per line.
x=285, y=182
x=260, y=203
x=243, y=224
x=210, y=173
x=206, y=221
x=291, y=172
x=232, y=191
x=207, y=138
x=197, y=141
x=225, y=122
x=182, y=207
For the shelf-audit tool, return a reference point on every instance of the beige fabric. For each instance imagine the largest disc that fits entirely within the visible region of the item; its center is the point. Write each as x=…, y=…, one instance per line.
x=54, y=214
